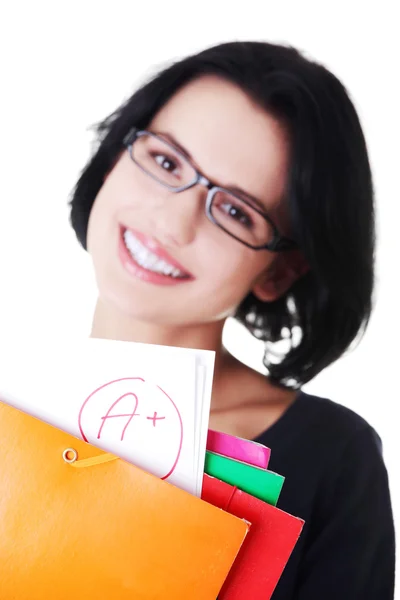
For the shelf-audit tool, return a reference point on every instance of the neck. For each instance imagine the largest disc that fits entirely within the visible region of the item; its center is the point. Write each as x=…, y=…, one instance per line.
x=108, y=323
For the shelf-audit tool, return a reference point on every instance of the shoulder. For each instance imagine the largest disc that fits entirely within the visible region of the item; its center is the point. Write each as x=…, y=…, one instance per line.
x=350, y=441
x=336, y=480
x=341, y=451
x=331, y=458
x=353, y=488
x=318, y=438
x=332, y=423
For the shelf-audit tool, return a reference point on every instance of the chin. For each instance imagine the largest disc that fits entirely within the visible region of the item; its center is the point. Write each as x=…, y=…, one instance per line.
x=170, y=306
x=154, y=310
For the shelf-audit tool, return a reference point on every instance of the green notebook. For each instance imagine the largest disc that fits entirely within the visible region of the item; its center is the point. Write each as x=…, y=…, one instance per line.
x=260, y=483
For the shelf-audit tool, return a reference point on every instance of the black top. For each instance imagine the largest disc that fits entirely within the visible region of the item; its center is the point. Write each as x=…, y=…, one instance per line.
x=337, y=482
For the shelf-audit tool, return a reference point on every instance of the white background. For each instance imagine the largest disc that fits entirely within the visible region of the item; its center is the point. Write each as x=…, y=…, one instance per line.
x=65, y=65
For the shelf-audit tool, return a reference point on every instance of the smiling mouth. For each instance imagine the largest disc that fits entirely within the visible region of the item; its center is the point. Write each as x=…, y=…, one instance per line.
x=146, y=259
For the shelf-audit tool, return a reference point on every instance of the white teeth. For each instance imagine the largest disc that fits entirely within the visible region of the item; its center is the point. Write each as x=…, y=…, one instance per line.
x=146, y=259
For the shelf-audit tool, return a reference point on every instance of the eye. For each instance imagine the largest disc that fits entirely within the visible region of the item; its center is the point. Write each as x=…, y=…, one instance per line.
x=237, y=213
x=166, y=162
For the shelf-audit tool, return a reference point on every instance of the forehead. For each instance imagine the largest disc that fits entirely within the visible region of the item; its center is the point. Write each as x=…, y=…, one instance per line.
x=231, y=138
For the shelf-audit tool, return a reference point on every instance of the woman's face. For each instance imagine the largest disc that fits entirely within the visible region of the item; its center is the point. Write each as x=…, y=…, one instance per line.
x=235, y=144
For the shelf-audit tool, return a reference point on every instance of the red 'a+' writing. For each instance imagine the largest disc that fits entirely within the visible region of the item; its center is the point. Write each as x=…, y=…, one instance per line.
x=129, y=416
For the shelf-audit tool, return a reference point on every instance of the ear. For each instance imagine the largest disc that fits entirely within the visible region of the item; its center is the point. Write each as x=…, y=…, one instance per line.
x=285, y=270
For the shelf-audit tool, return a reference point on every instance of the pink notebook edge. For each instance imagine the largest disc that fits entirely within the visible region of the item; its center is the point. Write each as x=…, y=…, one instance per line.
x=248, y=451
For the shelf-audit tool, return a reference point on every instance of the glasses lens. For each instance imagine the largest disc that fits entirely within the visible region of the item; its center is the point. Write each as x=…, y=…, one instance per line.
x=241, y=220
x=162, y=161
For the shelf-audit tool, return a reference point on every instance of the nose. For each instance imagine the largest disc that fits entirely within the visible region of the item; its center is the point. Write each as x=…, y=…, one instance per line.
x=175, y=221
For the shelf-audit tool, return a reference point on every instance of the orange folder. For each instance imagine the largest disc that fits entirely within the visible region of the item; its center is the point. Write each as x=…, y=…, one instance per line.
x=104, y=531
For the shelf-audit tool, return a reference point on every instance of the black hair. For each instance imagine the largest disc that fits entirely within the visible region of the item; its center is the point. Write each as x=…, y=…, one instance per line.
x=330, y=195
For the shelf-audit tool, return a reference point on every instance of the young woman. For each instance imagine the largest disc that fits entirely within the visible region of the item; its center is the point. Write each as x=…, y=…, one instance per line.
x=236, y=183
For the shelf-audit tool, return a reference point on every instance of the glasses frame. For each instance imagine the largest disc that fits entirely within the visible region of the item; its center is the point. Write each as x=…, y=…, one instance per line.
x=279, y=243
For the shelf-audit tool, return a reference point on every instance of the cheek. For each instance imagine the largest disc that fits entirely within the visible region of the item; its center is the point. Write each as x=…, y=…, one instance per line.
x=95, y=221
x=103, y=213
x=118, y=189
x=236, y=270
x=102, y=225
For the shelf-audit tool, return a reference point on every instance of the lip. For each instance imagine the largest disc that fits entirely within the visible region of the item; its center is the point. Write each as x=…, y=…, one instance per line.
x=146, y=275
x=156, y=249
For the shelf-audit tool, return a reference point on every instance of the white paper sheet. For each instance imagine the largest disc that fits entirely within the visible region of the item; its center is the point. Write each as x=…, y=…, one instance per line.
x=147, y=404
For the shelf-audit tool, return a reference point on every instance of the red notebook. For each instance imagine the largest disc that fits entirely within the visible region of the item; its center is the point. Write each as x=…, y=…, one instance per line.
x=268, y=545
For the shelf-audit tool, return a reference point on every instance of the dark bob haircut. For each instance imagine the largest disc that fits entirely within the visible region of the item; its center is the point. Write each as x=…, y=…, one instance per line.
x=329, y=195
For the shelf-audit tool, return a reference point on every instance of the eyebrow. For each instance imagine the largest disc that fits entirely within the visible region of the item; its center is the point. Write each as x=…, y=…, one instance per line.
x=233, y=188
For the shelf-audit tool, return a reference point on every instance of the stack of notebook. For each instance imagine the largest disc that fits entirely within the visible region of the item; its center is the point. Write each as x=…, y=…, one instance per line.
x=114, y=487
x=238, y=481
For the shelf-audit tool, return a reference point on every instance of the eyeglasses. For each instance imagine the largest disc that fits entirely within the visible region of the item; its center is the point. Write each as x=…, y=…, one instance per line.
x=235, y=215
